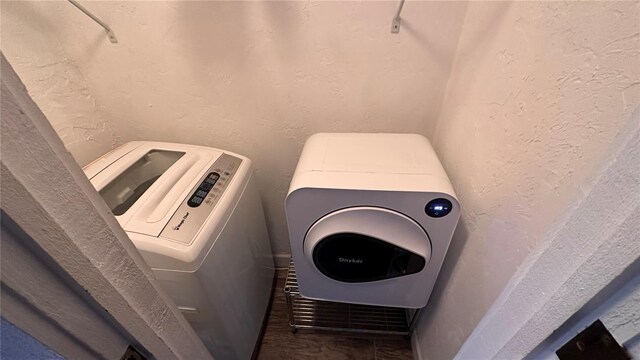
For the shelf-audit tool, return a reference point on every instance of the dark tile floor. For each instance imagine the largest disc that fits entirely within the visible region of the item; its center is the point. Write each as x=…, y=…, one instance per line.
x=280, y=343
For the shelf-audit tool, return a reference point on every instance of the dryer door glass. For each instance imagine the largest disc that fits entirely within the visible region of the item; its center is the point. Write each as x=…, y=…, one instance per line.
x=351, y=257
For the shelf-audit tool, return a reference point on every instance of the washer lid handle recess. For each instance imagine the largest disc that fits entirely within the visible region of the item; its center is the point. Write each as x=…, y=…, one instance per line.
x=357, y=225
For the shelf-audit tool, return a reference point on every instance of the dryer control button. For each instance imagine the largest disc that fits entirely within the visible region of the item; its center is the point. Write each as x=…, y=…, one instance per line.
x=438, y=208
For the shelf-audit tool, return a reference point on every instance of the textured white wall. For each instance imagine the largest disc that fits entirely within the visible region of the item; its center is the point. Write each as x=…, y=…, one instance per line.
x=256, y=78
x=620, y=314
x=35, y=38
x=47, y=196
x=538, y=90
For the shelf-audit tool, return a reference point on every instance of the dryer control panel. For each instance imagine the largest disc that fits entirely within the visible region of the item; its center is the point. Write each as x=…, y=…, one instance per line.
x=195, y=209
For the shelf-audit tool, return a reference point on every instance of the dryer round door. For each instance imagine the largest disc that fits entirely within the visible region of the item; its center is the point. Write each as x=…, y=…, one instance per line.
x=363, y=244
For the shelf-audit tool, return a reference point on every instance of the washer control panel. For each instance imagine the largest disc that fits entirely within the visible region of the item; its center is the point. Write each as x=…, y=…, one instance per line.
x=194, y=211
x=203, y=190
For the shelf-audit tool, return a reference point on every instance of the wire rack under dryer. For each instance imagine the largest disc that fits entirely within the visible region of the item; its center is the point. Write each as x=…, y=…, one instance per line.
x=328, y=315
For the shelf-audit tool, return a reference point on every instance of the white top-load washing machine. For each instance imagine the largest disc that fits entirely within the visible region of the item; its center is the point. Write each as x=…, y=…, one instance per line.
x=370, y=218
x=195, y=215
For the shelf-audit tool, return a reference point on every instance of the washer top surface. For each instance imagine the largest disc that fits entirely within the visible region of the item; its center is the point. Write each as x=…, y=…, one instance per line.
x=172, y=199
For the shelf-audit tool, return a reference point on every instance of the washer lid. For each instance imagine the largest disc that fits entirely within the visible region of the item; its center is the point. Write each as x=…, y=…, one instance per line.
x=144, y=188
x=362, y=244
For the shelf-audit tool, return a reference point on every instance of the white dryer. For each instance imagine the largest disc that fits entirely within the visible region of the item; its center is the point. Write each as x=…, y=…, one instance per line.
x=370, y=218
x=195, y=215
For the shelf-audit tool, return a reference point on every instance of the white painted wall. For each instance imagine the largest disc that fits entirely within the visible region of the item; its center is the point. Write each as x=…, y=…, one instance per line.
x=46, y=195
x=56, y=311
x=620, y=314
x=35, y=37
x=256, y=78
x=538, y=90
x=587, y=257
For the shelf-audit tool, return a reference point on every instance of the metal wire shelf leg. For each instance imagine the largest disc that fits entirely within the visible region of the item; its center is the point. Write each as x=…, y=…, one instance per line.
x=335, y=316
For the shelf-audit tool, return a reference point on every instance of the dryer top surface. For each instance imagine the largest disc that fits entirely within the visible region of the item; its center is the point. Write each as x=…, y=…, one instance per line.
x=381, y=162
x=378, y=153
